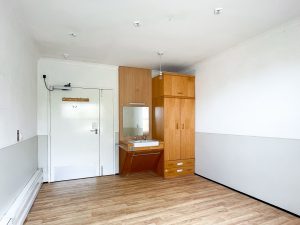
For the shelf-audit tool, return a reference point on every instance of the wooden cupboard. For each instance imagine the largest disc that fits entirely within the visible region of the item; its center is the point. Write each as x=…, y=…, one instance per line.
x=135, y=89
x=134, y=86
x=174, y=121
x=174, y=85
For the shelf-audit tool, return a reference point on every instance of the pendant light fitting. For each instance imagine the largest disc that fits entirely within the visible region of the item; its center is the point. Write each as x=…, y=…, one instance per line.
x=160, y=54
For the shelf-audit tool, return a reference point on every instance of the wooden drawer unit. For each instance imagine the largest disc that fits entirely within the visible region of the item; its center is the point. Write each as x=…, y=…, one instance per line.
x=174, y=168
x=180, y=163
x=179, y=171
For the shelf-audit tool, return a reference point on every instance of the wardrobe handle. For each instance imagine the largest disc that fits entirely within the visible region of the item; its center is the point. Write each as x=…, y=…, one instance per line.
x=183, y=126
x=177, y=126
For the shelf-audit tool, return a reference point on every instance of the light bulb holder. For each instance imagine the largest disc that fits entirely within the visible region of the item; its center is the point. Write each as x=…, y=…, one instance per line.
x=160, y=54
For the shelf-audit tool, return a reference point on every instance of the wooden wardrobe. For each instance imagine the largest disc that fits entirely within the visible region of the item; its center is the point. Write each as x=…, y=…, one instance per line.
x=174, y=121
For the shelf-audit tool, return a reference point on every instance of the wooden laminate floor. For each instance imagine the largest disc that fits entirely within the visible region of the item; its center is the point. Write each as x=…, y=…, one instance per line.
x=145, y=198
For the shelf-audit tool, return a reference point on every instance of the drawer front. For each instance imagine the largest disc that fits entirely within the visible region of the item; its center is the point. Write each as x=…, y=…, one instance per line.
x=180, y=171
x=179, y=163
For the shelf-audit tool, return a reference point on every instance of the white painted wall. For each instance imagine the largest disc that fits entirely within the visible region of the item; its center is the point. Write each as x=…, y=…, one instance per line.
x=18, y=60
x=18, y=97
x=253, y=88
x=79, y=74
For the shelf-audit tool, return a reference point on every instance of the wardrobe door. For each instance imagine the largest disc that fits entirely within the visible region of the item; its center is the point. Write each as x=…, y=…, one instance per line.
x=179, y=86
x=174, y=86
x=172, y=128
x=190, y=86
x=187, y=128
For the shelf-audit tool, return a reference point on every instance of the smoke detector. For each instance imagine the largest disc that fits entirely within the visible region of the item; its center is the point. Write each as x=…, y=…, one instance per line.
x=137, y=24
x=218, y=11
x=66, y=55
x=74, y=35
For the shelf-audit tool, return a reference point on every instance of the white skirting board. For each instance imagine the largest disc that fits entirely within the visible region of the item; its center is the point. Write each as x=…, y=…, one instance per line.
x=17, y=213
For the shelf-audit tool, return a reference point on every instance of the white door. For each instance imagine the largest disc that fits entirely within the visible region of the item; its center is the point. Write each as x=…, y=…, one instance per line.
x=107, y=154
x=75, y=134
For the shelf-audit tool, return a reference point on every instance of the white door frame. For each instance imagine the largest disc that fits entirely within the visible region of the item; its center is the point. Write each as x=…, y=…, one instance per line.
x=49, y=130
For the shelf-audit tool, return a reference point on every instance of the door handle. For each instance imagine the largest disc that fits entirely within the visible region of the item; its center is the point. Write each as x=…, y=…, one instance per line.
x=183, y=126
x=94, y=130
x=177, y=126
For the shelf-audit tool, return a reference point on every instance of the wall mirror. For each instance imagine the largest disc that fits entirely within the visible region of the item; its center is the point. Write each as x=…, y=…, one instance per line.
x=135, y=121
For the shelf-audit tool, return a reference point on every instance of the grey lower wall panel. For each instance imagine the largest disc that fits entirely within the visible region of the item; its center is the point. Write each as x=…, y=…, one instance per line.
x=18, y=163
x=43, y=155
x=265, y=168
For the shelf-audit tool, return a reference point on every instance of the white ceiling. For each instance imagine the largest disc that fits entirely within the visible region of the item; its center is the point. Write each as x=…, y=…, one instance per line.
x=186, y=30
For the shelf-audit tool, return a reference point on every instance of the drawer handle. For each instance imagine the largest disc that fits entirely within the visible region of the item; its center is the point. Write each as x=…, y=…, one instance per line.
x=180, y=164
x=137, y=103
x=179, y=171
x=144, y=154
x=180, y=93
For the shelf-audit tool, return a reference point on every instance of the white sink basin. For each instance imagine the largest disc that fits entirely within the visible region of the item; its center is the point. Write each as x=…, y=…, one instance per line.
x=145, y=143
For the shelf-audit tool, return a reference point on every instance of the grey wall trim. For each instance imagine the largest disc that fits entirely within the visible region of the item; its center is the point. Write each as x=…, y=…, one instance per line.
x=18, y=163
x=265, y=168
x=252, y=136
x=43, y=155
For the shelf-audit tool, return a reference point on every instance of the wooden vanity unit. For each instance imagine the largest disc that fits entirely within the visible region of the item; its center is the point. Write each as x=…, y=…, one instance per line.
x=174, y=121
x=135, y=91
x=136, y=159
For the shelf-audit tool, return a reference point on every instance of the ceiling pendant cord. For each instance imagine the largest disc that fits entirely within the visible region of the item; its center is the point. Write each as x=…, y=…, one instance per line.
x=160, y=72
x=160, y=54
